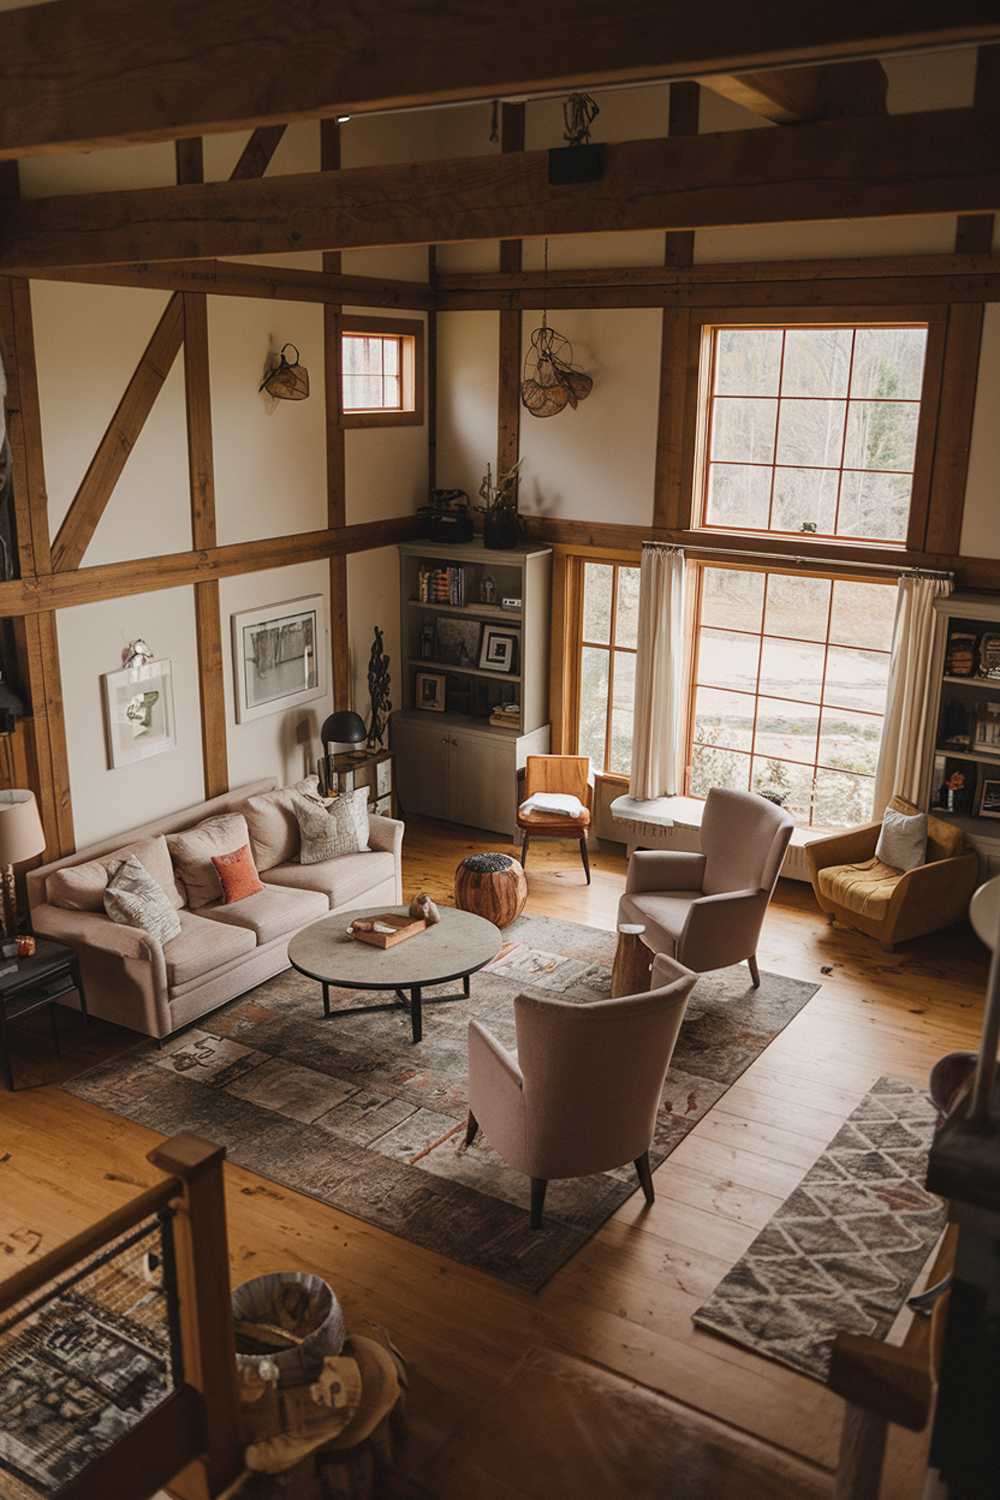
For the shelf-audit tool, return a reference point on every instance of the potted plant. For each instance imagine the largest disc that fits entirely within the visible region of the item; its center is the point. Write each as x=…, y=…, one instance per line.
x=501, y=522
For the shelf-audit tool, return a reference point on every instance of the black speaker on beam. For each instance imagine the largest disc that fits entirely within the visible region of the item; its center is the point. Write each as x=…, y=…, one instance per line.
x=571, y=164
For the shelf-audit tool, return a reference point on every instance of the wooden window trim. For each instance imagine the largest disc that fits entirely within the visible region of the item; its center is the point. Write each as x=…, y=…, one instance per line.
x=934, y=484
x=572, y=642
x=411, y=414
x=748, y=565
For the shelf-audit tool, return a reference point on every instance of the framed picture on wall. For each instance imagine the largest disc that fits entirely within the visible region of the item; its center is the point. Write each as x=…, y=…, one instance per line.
x=138, y=712
x=279, y=656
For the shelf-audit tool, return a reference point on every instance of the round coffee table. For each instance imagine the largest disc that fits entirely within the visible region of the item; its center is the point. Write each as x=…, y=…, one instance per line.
x=453, y=948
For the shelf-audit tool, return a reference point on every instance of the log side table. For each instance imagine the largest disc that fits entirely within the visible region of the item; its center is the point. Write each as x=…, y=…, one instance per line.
x=633, y=962
x=493, y=886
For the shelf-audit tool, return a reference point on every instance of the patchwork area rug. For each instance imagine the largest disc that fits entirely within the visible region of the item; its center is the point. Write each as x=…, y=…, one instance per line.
x=350, y=1112
x=842, y=1253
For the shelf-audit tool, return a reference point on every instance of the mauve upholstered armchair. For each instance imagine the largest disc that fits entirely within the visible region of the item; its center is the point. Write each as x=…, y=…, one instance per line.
x=706, y=910
x=583, y=1092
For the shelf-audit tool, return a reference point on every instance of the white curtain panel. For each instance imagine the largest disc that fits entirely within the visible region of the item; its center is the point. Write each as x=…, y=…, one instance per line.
x=901, y=769
x=657, y=725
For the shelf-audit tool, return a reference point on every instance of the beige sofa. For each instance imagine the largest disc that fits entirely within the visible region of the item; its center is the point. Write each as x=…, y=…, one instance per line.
x=221, y=951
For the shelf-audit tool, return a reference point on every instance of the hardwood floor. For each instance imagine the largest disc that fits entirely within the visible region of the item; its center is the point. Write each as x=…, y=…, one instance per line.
x=617, y=1319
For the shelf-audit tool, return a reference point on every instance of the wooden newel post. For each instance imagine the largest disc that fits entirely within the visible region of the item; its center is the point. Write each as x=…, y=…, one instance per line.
x=206, y=1318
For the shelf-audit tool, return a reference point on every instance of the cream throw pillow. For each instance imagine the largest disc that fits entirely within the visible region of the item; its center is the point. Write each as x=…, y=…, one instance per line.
x=135, y=899
x=274, y=829
x=192, y=853
x=331, y=828
x=903, y=840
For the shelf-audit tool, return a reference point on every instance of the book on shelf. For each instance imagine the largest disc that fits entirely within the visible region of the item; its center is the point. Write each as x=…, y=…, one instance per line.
x=441, y=586
x=506, y=715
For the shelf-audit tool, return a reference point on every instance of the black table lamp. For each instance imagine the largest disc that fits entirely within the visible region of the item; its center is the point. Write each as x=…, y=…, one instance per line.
x=343, y=728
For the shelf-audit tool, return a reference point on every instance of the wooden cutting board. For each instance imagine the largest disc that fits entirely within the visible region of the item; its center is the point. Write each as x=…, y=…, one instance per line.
x=406, y=927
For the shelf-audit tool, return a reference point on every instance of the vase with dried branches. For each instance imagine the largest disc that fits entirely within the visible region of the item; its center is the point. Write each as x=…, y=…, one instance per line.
x=501, y=522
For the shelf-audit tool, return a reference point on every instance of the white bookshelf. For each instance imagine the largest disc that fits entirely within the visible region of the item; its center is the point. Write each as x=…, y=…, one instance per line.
x=958, y=701
x=456, y=765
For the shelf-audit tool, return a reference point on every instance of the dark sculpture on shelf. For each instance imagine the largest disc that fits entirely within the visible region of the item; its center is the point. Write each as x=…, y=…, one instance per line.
x=379, y=689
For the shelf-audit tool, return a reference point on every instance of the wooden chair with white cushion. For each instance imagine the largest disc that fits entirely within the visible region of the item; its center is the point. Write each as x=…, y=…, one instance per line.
x=565, y=775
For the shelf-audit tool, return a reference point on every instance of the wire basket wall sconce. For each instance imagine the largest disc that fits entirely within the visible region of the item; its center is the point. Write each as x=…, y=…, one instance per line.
x=550, y=381
x=288, y=380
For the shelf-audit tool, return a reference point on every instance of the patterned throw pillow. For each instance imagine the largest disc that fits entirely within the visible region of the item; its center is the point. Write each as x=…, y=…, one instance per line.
x=238, y=875
x=331, y=828
x=135, y=899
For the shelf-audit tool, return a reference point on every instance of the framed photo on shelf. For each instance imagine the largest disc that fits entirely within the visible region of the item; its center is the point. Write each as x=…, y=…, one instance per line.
x=456, y=642
x=989, y=799
x=138, y=712
x=279, y=656
x=498, y=650
x=430, y=692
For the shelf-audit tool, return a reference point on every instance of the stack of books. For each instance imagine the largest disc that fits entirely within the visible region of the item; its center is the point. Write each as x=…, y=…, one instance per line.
x=441, y=585
x=506, y=715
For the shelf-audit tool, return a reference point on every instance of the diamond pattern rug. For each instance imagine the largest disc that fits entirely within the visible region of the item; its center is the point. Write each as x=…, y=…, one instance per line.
x=843, y=1251
x=349, y=1111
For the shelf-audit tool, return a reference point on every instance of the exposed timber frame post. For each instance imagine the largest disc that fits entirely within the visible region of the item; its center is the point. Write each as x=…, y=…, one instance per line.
x=669, y=505
x=336, y=471
x=511, y=255
x=201, y=469
x=974, y=232
x=36, y=637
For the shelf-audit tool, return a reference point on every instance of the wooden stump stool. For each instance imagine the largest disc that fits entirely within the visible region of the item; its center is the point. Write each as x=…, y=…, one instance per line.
x=633, y=961
x=491, y=886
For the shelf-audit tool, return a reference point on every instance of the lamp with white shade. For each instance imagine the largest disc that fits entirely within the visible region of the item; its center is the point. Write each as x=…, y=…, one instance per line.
x=21, y=838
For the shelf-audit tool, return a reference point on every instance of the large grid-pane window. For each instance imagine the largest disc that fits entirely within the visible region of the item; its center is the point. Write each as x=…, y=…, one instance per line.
x=788, y=691
x=813, y=429
x=607, y=665
x=372, y=372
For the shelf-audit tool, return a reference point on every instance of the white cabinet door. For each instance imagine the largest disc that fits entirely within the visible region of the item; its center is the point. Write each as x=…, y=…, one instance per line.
x=422, y=768
x=483, y=781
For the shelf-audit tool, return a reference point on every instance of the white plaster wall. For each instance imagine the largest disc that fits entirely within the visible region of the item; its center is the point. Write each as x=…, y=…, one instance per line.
x=386, y=468
x=981, y=521
x=88, y=340
x=91, y=638
x=270, y=457
x=373, y=591
x=284, y=744
x=597, y=463
x=468, y=363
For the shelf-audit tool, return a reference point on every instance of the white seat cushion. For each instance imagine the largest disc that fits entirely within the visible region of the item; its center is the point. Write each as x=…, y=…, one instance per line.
x=342, y=879
x=270, y=913
x=202, y=946
x=663, y=916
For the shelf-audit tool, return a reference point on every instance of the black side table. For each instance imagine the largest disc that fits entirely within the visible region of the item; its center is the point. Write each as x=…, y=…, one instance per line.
x=51, y=972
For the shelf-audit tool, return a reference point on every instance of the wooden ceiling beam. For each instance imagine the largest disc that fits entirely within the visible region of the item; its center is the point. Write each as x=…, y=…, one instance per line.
x=789, y=96
x=89, y=73
x=223, y=278
x=942, y=161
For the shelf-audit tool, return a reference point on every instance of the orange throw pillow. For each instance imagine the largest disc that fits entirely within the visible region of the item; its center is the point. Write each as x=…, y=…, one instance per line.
x=237, y=874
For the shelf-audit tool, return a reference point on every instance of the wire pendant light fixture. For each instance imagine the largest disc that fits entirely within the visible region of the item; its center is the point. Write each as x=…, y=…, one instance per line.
x=550, y=381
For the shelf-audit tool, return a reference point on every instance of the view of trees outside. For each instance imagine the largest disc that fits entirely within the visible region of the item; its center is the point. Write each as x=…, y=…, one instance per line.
x=814, y=430
x=790, y=683
x=371, y=372
x=607, y=665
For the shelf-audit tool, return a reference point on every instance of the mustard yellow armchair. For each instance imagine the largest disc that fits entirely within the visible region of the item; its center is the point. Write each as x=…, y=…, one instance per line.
x=892, y=906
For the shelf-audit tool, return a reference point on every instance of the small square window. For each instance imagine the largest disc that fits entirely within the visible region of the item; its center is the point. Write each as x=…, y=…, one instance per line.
x=381, y=372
